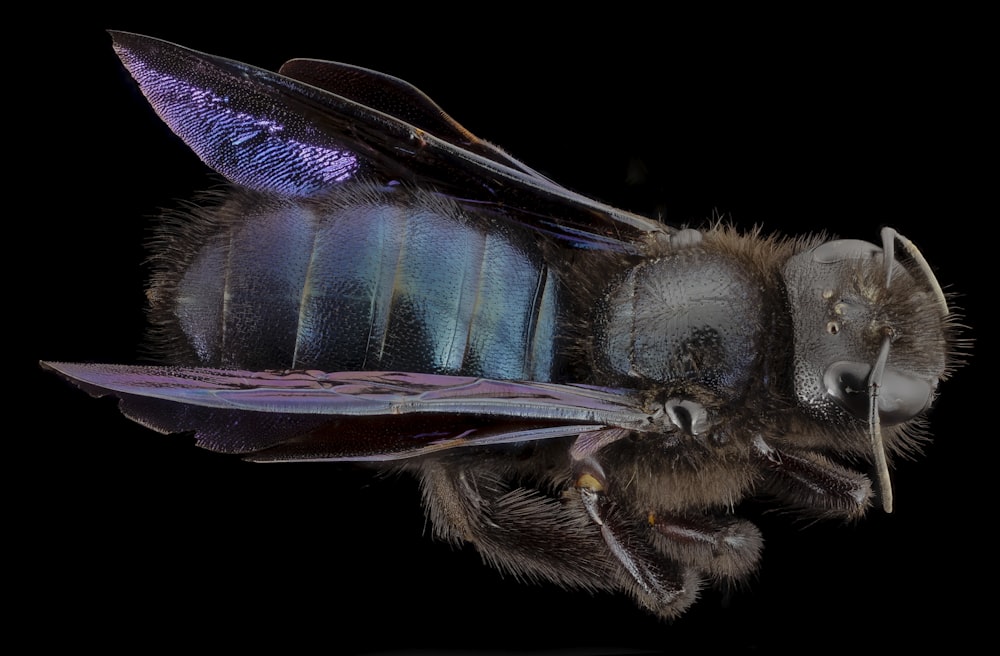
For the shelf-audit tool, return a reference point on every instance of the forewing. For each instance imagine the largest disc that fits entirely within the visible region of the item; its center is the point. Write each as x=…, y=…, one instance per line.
x=400, y=99
x=273, y=133
x=312, y=415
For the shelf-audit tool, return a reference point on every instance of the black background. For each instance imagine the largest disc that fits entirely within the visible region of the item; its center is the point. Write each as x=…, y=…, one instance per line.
x=843, y=124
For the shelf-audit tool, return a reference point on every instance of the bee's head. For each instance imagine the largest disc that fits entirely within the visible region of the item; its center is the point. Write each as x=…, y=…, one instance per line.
x=870, y=335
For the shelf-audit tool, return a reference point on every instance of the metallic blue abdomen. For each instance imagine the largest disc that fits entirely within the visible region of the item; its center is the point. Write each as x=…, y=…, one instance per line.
x=368, y=279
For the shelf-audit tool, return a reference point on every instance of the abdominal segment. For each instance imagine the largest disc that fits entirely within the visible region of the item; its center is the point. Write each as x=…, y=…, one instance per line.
x=371, y=278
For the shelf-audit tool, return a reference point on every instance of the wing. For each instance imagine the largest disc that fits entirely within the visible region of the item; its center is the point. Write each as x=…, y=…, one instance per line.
x=318, y=124
x=365, y=416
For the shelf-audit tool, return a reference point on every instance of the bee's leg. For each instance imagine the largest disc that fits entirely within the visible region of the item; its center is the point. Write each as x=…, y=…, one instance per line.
x=661, y=584
x=518, y=530
x=722, y=547
x=813, y=483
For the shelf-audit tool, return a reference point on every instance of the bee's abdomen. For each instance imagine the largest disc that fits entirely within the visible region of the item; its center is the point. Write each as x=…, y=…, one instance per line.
x=369, y=279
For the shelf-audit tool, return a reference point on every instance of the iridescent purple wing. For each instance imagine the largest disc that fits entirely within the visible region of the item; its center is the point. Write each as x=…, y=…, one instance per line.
x=322, y=123
x=366, y=416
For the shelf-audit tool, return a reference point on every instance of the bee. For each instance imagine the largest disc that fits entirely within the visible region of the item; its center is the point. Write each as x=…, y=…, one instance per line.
x=585, y=395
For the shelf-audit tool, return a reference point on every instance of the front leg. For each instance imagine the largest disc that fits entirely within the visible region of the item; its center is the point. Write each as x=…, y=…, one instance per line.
x=811, y=482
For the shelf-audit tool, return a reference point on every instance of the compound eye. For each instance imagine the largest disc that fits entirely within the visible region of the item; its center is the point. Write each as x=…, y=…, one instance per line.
x=901, y=397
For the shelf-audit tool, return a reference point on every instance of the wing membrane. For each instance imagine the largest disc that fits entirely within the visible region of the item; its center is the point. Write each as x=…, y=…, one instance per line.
x=312, y=415
x=398, y=98
x=274, y=133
